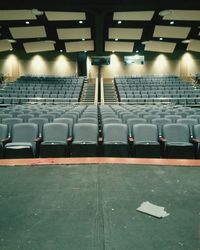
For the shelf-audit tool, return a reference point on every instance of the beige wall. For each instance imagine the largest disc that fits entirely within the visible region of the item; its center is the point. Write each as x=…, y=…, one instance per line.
x=61, y=65
x=12, y=66
x=185, y=66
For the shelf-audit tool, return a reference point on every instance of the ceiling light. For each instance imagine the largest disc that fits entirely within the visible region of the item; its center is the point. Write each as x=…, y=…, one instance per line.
x=160, y=38
x=27, y=22
x=11, y=41
x=113, y=51
x=137, y=51
x=61, y=50
x=11, y=49
x=80, y=21
x=165, y=12
x=83, y=39
x=85, y=51
x=172, y=22
x=37, y=12
x=119, y=22
x=116, y=39
x=186, y=41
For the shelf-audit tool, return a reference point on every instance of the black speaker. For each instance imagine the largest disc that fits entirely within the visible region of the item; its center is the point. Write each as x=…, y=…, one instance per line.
x=82, y=63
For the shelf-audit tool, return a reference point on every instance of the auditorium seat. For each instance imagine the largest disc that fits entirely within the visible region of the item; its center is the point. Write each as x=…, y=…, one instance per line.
x=85, y=140
x=133, y=121
x=177, y=141
x=54, y=142
x=68, y=121
x=23, y=145
x=40, y=122
x=10, y=122
x=145, y=141
x=3, y=138
x=115, y=140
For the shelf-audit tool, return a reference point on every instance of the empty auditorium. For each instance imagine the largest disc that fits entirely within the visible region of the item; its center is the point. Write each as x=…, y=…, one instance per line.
x=100, y=125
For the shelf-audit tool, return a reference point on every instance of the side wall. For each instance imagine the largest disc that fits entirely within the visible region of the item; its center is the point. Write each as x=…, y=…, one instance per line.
x=184, y=65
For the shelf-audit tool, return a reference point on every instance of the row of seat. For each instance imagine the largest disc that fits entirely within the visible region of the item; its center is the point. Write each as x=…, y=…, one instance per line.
x=55, y=141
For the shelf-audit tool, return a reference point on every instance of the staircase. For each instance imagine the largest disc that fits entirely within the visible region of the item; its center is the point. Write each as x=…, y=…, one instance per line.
x=110, y=94
x=88, y=92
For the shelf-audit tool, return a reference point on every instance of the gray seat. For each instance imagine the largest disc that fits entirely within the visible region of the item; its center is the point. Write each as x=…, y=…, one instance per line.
x=23, y=143
x=196, y=139
x=133, y=121
x=3, y=138
x=10, y=122
x=190, y=122
x=115, y=140
x=55, y=142
x=160, y=122
x=145, y=143
x=177, y=141
x=88, y=120
x=85, y=139
x=68, y=121
x=40, y=122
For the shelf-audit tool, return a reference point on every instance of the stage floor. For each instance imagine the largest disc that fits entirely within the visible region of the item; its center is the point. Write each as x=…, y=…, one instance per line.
x=86, y=207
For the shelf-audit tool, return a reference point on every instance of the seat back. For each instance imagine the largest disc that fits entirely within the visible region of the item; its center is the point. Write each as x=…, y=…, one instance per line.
x=196, y=131
x=3, y=131
x=133, y=121
x=55, y=131
x=85, y=132
x=40, y=122
x=145, y=133
x=115, y=133
x=24, y=132
x=68, y=121
x=10, y=122
x=176, y=132
x=88, y=120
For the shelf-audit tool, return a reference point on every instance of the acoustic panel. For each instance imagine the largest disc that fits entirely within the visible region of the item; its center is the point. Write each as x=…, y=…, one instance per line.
x=28, y=32
x=125, y=33
x=157, y=46
x=64, y=16
x=183, y=15
x=171, y=31
x=5, y=45
x=79, y=46
x=133, y=15
x=119, y=46
x=32, y=47
x=74, y=33
x=194, y=45
x=12, y=15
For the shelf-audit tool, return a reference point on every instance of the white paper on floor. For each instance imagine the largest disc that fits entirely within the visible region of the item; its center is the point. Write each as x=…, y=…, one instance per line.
x=151, y=209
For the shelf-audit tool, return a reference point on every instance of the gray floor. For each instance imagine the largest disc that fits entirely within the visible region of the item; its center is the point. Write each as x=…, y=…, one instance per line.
x=94, y=207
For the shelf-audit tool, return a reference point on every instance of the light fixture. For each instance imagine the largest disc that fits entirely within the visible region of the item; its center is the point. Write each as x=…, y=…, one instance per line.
x=113, y=51
x=160, y=38
x=61, y=50
x=83, y=39
x=11, y=49
x=186, y=41
x=119, y=22
x=116, y=39
x=172, y=22
x=27, y=22
x=37, y=12
x=85, y=51
x=80, y=21
x=165, y=12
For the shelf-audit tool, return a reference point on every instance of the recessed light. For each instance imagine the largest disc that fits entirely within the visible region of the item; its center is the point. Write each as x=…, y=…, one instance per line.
x=137, y=51
x=186, y=41
x=83, y=39
x=113, y=51
x=61, y=50
x=85, y=51
x=119, y=22
x=116, y=39
x=172, y=22
x=27, y=22
x=160, y=38
x=11, y=49
x=80, y=21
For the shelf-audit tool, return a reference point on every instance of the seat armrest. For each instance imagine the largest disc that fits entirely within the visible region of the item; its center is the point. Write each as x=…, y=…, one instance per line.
x=162, y=139
x=130, y=139
x=100, y=139
x=5, y=140
x=69, y=139
x=38, y=139
x=195, y=140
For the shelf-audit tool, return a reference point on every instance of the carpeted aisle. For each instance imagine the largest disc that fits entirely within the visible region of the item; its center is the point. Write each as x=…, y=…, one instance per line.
x=83, y=207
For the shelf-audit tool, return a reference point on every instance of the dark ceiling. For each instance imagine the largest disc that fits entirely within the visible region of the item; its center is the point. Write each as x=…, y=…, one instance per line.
x=99, y=16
